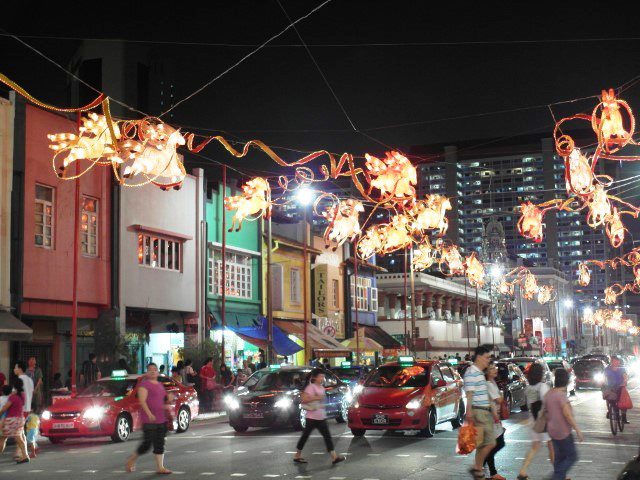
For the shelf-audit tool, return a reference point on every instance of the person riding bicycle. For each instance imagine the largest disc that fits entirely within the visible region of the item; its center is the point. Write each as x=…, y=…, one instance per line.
x=615, y=379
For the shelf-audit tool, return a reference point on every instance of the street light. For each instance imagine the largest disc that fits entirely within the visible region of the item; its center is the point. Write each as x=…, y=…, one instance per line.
x=568, y=303
x=496, y=271
x=588, y=311
x=305, y=196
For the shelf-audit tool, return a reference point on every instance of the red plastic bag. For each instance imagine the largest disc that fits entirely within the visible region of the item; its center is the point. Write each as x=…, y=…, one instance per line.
x=466, y=439
x=624, y=401
x=505, y=413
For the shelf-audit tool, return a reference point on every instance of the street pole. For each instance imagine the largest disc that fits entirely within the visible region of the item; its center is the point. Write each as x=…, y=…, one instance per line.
x=491, y=317
x=270, y=355
x=223, y=274
x=477, y=314
x=355, y=300
x=406, y=338
x=304, y=288
x=413, y=307
x=466, y=306
x=74, y=305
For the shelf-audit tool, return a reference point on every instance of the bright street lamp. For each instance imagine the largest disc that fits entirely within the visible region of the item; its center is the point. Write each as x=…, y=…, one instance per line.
x=588, y=311
x=305, y=196
x=568, y=302
x=496, y=271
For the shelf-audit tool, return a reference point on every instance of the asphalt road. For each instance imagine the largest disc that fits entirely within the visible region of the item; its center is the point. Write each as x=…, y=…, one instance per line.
x=212, y=449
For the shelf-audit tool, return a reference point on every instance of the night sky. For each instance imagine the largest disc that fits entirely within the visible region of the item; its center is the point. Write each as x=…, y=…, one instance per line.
x=278, y=95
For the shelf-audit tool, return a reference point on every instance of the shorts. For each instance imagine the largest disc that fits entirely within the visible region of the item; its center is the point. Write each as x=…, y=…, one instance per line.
x=32, y=435
x=537, y=437
x=484, y=423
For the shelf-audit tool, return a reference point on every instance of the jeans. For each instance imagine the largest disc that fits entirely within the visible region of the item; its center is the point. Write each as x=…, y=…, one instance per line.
x=490, y=460
x=565, y=456
x=322, y=427
x=154, y=434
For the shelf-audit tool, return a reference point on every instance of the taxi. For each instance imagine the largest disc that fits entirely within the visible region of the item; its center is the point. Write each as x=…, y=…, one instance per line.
x=350, y=374
x=408, y=395
x=110, y=407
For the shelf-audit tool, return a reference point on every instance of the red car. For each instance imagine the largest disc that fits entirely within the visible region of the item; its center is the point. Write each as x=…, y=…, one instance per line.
x=110, y=407
x=408, y=395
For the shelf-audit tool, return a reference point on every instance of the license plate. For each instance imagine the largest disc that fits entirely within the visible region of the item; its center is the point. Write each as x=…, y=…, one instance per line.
x=63, y=425
x=380, y=420
x=253, y=415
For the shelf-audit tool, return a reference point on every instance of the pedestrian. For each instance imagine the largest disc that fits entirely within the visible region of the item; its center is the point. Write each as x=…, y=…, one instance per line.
x=535, y=394
x=5, y=391
x=207, y=383
x=261, y=363
x=467, y=358
x=57, y=381
x=162, y=369
x=27, y=387
x=560, y=421
x=479, y=410
x=325, y=364
x=615, y=380
x=458, y=357
x=122, y=365
x=189, y=373
x=180, y=366
x=13, y=424
x=175, y=375
x=495, y=395
x=90, y=371
x=32, y=425
x=313, y=402
x=154, y=402
x=3, y=379
x=35, y=374
x=67, y=382
x=226, y=375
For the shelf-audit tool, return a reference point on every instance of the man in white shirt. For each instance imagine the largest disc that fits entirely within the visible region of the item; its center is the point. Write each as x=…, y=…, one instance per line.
x=20, y=369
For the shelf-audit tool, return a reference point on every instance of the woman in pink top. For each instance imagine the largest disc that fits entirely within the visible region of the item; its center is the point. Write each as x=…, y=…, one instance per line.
x=153, y=402
x=313, y=401
x=13, y=425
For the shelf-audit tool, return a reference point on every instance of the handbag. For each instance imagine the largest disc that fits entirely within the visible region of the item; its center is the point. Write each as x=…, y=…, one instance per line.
x=310, y=406
x=610, y=395
x=466, y=439
x=540, y=425
x=504, y=411
x=624, y=400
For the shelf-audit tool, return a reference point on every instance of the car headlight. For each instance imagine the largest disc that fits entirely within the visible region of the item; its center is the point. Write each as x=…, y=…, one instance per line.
x=46, y=415
x=415, y=403
x=357, y=389
x=598, y=377
x=283, y=403
x=231, y=402
x=94, y=413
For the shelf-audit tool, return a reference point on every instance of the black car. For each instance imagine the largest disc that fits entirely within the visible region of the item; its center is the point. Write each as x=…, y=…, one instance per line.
x=524, y=363
x=271, y=397
x=350, y=374
x=513, y=384
x=589, y=373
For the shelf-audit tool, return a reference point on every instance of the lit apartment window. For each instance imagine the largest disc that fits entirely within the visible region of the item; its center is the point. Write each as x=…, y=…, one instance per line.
x=367, y=297
x=89, y=226
x=295, y=285
x=335, y=293
x=45, y=198
x=238, y=276
x=159, y=252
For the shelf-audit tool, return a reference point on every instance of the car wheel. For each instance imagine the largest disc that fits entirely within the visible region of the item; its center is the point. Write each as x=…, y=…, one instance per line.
x=459, y=420
x=56, y=440
x=184, y=419
x=123, y=429
x=300, y=420
x=240, y=428
x=344, y=410
x=358, y=432
x=432, y=421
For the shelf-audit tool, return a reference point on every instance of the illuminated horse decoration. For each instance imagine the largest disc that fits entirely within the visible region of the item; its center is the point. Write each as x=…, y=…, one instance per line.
x=393, y=175
x=343, y=222
x=255, y=199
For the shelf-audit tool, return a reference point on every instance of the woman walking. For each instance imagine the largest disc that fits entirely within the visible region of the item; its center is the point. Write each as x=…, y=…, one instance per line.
x=153, y=401
x=207, y=384
x=560, y=421
x=313, y=401
x=495, y=395
x=535, y=394
x=13, y=425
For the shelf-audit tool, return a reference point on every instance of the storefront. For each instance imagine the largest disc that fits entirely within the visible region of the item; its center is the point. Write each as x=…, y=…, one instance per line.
x=163, y=349
x=320, y=344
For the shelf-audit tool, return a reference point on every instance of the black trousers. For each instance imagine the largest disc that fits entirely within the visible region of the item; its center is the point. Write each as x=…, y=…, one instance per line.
x=154, y=434
x=322, y=427
x=490, y=460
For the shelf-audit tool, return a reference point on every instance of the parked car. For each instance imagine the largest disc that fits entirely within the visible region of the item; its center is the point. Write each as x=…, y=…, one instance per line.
x=599, y=356
x=408, y=395
x=110, y=407
x=271, y=397
x=524, y=363
x=589, y=373
x=513, y=384
x=560, y=363
x=350, y=374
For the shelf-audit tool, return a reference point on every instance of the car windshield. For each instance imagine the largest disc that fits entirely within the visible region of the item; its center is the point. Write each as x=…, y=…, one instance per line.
x=503, y=372
x=347, y=373
x=523, y=364
x=554, y=365
x=108, y=388
x=281, y=380
x=394, y=376
x=583, y=367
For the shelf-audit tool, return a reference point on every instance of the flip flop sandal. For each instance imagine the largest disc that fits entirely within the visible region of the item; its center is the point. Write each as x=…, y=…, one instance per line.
x=164, y=472
x=299, y=460
x=477, y=474
x=338, y=460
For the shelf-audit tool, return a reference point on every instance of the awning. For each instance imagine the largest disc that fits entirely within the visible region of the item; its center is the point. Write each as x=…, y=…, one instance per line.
x=235, y=319
x=12, y=329
x=322, y=345
x=363, y=344
x=258, y=336
x=381, y=337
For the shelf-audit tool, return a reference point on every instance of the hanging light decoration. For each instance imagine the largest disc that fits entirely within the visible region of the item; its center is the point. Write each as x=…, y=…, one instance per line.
x=615, y=229
x=430, y=214
x=530, y=223
x=254, y=200
x=424, y=257
x=610, y=295
x=393, y=175
x=344, y=223
x=529, y=286
x=609, y=126
x=451, y=258
x=475, y=271
x=505, y=287
x=578, y=174
x=599, y=207
x=372, y=242
x=397, y=234
x=584, y=275
x=546, y=293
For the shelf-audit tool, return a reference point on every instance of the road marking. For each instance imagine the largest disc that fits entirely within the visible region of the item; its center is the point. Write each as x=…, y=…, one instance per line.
x=373, y=454
x=7, y=471
x=345, y=453
x=190, y=451
x=266, y=451
x=208, y=473
x=122, y=451
x=618, y=463
x=178, y=473
x=317, y=453
x=238, y=474
x=34, y=471
x=289, y=452
x=90, y=471
x=303, y=476
x=216, y=451
x=271, y=475
x=585, y=461
x=402, y=455
x=519, y=458
x=148, y=471
x=430, y=456
x=330, y=478
x=63, y=471
x=117, y=471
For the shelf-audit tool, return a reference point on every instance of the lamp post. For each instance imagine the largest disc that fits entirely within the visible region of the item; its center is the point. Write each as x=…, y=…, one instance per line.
x=568, y=303
x=305, y=197
x=495, y=272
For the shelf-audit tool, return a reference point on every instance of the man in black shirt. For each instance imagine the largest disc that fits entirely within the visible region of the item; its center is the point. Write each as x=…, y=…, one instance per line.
x=90, y=371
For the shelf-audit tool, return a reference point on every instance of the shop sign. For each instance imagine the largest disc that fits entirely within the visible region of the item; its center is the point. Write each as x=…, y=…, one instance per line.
x=321, y=274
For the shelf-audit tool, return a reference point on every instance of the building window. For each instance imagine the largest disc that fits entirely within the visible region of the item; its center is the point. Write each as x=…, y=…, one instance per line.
x=335, y=293
x=365, y=294
x=238, y=278
x=45, y=198
x=295, y=285
x=159, y=252
x=89, y=227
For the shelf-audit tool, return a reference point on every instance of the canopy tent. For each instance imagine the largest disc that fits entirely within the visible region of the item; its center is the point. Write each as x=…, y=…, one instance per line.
x=12, y=329
x=259, y=335
x=321, y=344
x=363, y=344
x=381, y=337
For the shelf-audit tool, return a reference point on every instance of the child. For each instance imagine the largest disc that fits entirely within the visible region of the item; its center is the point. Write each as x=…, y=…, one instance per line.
x=6, y=391
x=33, y=424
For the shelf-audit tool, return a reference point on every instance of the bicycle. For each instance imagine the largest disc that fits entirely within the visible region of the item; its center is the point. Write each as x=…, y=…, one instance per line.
x=615, y=419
